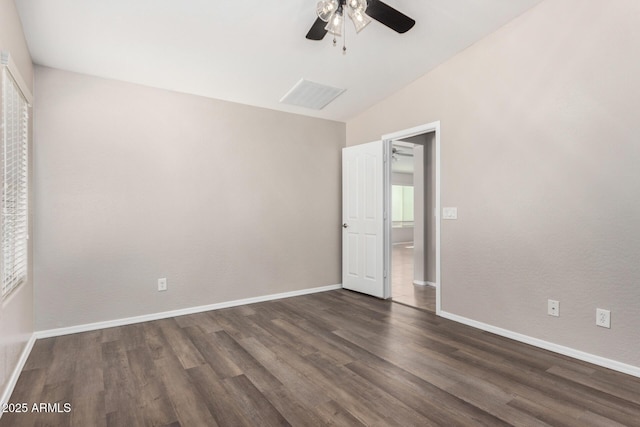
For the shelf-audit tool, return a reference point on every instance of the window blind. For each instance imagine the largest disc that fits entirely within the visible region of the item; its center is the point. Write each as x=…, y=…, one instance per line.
x=14, y=163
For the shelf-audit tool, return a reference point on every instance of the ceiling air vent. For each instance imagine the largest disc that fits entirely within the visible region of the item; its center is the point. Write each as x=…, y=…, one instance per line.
x=311, y=95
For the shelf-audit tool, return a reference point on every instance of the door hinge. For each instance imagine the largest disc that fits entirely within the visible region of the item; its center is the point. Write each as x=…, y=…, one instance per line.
x=384, y=273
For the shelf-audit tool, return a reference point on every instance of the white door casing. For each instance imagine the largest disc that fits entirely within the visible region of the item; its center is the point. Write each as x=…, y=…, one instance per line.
x=408, y=133
x=363, y=258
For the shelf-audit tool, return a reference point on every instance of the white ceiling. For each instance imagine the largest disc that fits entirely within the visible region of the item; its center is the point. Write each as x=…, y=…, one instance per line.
x=253, y=51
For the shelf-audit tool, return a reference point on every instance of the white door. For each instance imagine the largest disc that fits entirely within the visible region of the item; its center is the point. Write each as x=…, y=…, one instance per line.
x=363, y=218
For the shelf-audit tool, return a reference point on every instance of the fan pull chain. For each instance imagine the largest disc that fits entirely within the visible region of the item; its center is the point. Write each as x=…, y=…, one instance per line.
x=344, y=36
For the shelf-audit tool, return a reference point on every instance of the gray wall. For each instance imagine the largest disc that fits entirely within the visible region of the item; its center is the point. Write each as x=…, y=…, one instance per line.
x=429, y=206
x=424, y=253
x=132, y=184
x=16, y=313
x=540, y=153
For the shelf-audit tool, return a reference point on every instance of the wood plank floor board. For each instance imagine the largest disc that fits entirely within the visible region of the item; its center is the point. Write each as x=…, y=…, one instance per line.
x=156, y=342
x=493, y=400
x=422, y=396
x=611, y=389
x=352, y=351
x=524, y=381
x=281, y=336
x=152, y=399
x=234, y=322
x=224, y=409
x=285, y=371
x=182, y=346
x=329, y=386
x=333, y=414
x=189, y=405
x=334, y=358
x=202, y=320
x=616, y=379
x=88, y=373
x=89, y=410
x=40, y=356
x=287, y=400
x=559, y=387
x=212, y=353
x=589, y=419
x=62, y=368
x=527, y=355
x=548, y=415
x=305, y=310
x=403, y=357
x=243, y=359
x=255, y=406
x=111, y=334
x=120, y=392
x=132, y=336
x=255, y=327
x=371, y=398
x=517, y=388
x=56, y=394
x=292, y=400
x=295, y=411
x=336, y=354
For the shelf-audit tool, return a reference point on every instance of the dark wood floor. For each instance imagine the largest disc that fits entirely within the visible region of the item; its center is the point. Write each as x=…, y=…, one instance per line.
x=334, y=358
x=403, y=290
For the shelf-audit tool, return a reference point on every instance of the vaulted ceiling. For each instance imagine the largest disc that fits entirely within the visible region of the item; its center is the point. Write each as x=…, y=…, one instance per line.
x=253, y=51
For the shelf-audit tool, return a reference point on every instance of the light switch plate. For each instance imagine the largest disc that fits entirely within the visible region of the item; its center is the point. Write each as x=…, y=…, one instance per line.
x=449, y=213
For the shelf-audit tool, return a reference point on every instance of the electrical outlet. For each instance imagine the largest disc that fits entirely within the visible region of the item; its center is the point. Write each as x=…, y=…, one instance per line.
x=603, y=318
x=162, y=284
x=553, y=308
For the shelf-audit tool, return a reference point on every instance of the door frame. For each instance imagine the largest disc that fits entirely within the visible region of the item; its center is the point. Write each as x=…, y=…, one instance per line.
x=387, y=141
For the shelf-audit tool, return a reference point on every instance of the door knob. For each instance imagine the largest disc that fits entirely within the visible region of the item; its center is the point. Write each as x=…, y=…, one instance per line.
x=345, y=225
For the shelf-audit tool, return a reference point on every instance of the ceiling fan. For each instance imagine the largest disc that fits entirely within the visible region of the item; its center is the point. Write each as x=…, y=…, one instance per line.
x=331, y=17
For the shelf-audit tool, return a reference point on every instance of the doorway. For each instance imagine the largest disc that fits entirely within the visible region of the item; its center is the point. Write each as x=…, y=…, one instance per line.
x=413, y=239
x=412, y=281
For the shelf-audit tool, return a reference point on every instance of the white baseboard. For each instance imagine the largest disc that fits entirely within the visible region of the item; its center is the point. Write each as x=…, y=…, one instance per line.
x=181, y=312
x=567, y=351
x=13, y=379
x=421, y=283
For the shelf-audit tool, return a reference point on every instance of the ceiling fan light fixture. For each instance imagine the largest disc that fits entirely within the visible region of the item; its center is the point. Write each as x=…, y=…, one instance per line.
x=359, y=19
x=357, y=5
x=361, y=13
x=326, y=8
x=334, y=26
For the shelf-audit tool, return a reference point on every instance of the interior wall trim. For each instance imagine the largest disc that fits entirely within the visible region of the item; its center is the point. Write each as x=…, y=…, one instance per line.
x=13, y=379
x=546, y=345
x=423, y=283
x=6, y=60
x=180, y=312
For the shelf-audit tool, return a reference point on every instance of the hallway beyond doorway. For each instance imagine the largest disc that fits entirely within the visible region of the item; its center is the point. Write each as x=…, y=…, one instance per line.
x=403, y=290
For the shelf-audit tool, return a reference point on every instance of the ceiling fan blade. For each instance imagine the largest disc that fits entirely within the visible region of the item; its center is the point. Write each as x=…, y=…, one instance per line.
x=385, y=14
x=317, y=30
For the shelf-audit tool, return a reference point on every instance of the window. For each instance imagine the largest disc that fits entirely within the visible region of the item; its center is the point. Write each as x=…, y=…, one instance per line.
x=402, y=205
x=14, y=163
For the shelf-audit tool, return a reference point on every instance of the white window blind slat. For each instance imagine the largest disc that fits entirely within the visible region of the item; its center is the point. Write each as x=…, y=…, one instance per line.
x=14, y=174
